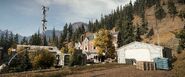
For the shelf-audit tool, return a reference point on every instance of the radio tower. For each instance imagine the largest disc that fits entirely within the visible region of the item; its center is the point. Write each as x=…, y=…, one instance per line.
x=45, y=9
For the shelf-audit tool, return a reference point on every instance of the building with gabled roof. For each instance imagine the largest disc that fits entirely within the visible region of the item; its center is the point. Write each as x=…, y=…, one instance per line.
x=87, y=44
x=139, y=51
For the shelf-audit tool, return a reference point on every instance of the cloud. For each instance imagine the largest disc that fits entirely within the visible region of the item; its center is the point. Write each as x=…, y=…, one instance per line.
x=83, y=10
x=27, y=14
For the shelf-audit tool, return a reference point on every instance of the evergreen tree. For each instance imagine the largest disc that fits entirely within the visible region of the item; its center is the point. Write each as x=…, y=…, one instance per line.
x=138, y=34
x=11, y=38
x=182, y=15
x=63, y=36
x=181, y=36
x=45, y=40
x=126, y=29
x=54, y=35
x=70, y=32
x=65, y=32
x=120, y=40
x=54, y=38
x=24, y=41
x=150, y=33
x=61, y=41
x=144, y=27
x=16, y=38
x=90, y=26
x=171, y=8
x=159, y=12
x=181, y=1
x=36, y=40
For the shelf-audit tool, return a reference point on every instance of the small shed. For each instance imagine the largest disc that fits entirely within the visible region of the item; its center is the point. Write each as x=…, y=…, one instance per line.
x=139, y=51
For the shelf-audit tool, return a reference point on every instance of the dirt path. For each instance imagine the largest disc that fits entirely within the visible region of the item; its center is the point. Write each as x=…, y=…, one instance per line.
x=101, y=70
x=129, y=71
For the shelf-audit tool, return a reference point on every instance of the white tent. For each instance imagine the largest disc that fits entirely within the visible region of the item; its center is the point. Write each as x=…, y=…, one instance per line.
x=139, y=51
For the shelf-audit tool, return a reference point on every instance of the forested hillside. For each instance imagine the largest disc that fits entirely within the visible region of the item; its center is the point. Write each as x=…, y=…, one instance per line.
x=153, y=21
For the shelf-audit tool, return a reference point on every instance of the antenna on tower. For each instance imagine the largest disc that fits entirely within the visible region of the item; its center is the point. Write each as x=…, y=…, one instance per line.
x=45, y=9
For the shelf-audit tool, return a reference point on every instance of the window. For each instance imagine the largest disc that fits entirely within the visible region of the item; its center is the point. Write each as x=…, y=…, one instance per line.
x=94, y=47
x=50, y=48
x=86, y=48
x=26, y=47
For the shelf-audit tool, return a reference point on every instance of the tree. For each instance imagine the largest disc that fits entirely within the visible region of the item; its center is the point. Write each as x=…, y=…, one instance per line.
x=16, y=38
x=120, y=39
x=6, y=44
x=64, y=50
x=159, y=12
x=127, y=34
x=159, y=15
x=21, y=62
x=181, y=1
x=90, y=26
x=103, y=42
x=77, y=58
x=63, y=36
x=143, y=29
x=54, y=38
x=24, y=41
x=45, y=42
x=150, y=33
x=138, y=34
x=70, y=32
x=11, y=38
x=182, y=14
x=181, y=36
x=82, y=29
x=36, y=39
x=171, y=8
x=54, y=35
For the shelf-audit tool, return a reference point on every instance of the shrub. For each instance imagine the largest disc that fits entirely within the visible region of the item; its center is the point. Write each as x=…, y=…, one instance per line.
x=21, y=62
x=43, y=59
x=78, y=58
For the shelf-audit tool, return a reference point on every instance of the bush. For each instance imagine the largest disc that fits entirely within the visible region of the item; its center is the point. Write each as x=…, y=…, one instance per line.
x=21, y=62
x=78, y=58
x=43, y=59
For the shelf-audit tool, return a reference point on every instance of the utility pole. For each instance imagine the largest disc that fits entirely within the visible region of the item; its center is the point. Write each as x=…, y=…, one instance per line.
x=44, y=40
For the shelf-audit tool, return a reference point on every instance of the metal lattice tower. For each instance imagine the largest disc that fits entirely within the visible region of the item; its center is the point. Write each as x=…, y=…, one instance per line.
x=45, y=9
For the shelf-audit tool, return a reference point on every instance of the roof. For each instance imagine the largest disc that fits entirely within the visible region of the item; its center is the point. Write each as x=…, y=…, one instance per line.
x=90, y=37
x=142, y=43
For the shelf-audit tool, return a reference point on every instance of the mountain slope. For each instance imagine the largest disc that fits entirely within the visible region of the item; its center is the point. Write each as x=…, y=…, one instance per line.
x=166, y=26
x=77, y=25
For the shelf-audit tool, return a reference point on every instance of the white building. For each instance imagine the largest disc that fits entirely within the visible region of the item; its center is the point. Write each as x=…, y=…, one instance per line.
x=88, y=47
x=139, y=51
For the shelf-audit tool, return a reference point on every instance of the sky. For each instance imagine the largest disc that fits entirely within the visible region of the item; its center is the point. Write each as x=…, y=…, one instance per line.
x=24, y=16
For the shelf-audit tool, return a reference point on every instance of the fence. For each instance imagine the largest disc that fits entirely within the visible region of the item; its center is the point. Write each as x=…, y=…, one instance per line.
x=141, y=65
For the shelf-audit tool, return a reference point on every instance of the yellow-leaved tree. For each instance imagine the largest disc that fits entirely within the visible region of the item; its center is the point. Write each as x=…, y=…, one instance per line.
x=104, y=44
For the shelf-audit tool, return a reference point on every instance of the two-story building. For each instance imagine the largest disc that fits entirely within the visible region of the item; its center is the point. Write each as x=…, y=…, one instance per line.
x=88, y=47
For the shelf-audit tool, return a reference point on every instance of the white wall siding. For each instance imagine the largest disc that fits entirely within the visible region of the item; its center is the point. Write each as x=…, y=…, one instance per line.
x=138, y=54
x=139, y=51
